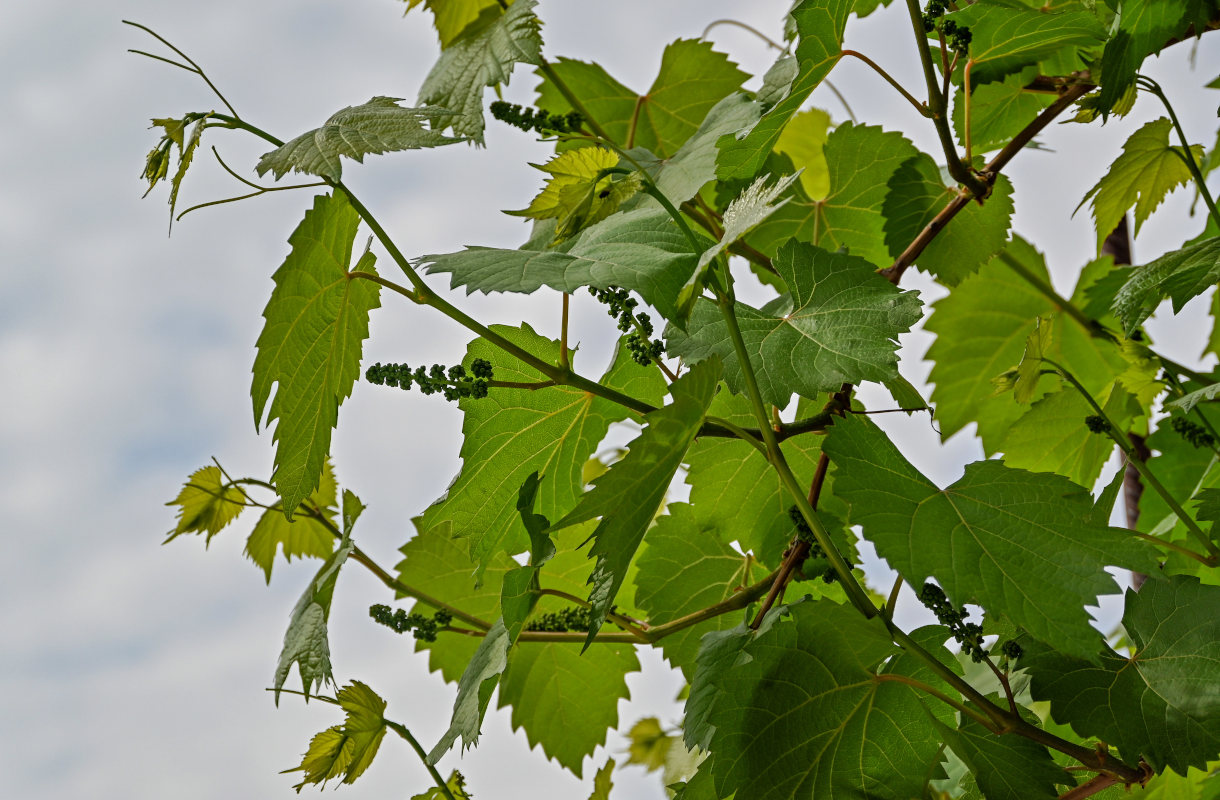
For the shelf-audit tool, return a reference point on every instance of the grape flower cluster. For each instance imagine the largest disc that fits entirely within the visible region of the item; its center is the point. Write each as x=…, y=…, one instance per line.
x=453, y=382
x=1097, y=423
x=421, y=627
x=620, y=305
x=537, y=120
x=1192, y=432
x=968, y=634
x=956, y=36
x=569, y=619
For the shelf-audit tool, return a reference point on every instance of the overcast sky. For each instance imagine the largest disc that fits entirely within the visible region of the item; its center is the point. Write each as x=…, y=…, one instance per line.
x=137, y=671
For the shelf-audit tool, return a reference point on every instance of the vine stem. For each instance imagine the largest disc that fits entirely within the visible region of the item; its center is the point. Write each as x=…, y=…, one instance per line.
x=402, y=731
x=1128, y=449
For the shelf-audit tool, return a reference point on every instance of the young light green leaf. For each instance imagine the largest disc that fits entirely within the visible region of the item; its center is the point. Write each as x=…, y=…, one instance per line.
x=509, y=434
x=836, y=729
x=306, y=643
x=648, y=744
x=1006, y=767
x=1017, y=543
x=301, y=537
x=839, y=325
x=456, y=784
x=316, y=322
x=579, y=192
x=453, y=17
x=820, y=24
x=804, y=140
x=747, y=211
x=480, y=679
x=1158, y=704
x=346, y=750
x=1147, y=170
x=602, y=783
x=628, y=496
x=917, y=194
x=485, y=57
x=1029, y=369
x=206, y=504
x=1006, y=37
x=1178, y=276
x=378, y=126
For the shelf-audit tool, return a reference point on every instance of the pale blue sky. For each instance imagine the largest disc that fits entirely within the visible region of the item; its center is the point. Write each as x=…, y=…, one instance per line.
x=137, y=671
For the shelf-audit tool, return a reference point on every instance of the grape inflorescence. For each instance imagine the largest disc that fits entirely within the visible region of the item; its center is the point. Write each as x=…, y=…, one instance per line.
x=536, y=119
x=422, y=628
x=968, y=634
x=637, y=327
x=453, y=383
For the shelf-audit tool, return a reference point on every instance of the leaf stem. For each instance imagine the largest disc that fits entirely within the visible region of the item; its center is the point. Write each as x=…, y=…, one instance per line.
x=1128, y=449
x=922, y=108
x=402, y=731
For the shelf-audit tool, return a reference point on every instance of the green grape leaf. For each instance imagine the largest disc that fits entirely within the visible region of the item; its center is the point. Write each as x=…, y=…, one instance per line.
x=628, y=496
x=205, y=504
x=306, y=643
x=685, y=568
x=1147, y=170
x=303, y=537
x=998, y=111
x=803, y=715
x=718, y=652
x=453, y=17
x=820, y=24
x=520, y=592
x=917, y=195
x=1179, y=276
x=747, y=211
x=803, y=141
x=1052, y=435
x=1006, y=37
x=648, y=744
x=1160, y=703
x=480, y=679
x=692, y=79
x=1017, y=543
x=1183, y=469
x=981, y=329
x=1145, y=27
x=1189, y=401
x=1140, y=378
x=346, y=750
x=1006, y=767
x=602, y=783
x=1196, y=784
x=640, y=250
x=316, y=322
x=378, y=126
x=579, y=193
x=484, y=57
x=513, y=432
x=777, y=80
x=736, y=492
x=839, y=325
x=861, y=159
x=455, y=783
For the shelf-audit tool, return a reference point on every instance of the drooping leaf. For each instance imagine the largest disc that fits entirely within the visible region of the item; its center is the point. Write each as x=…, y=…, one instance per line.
x=480, y=679
x=306, y=643
x=640, y=250
x=310, y=347
x=513, y=432
x=301, y=537
x=981, y=330
x=205, y=504
x=1017, y=543
x=835, y=728
x=631, y=492
x=1160, y=703
x=579, y=193
x=820, y=24
x=346, y=750
x=685, y=568
x=1189, y=401
x=378, y=126
x=1006, y=767
x=1144, y=27
x=1006, y=37
x=1178, y=276
x=917, y=195
x=520, y=592
x=861, y=159
x=839, y=325
x=484, y=57
x=692, y=79
x=1147, y=170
